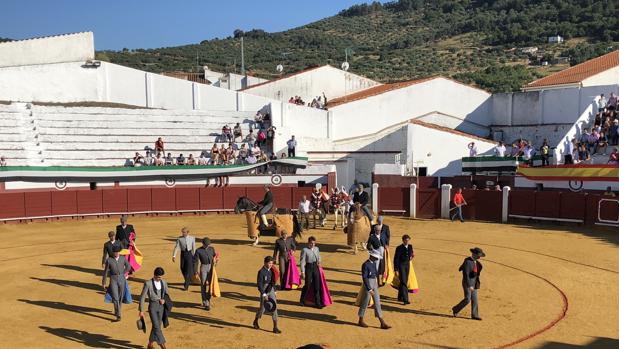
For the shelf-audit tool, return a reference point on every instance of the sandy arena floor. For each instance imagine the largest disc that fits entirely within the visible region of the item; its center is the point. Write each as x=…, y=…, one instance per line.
x=51, y=295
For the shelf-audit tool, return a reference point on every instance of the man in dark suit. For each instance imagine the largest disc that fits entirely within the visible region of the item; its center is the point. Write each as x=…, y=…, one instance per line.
x=361, y=197
x=471, y=269
x=266, y=288
x=108, y=247
x=123, y=230
x=379, y=241
x=280, y=255
x=401, y=262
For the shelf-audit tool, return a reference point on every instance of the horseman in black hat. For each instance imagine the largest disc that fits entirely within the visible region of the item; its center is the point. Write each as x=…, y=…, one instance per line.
x=267, y=205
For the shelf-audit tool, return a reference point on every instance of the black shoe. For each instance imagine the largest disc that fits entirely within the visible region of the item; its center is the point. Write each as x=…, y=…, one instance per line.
x=276, y=330
x=453, y=311
x=207, y=307
x=256, y=326
x=476, y=318
x=406, y=303
x=117, y=319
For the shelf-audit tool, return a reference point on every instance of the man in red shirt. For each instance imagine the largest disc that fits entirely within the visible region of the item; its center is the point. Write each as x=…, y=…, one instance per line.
x=159, y=147
x=614, y=157
x=459, y=202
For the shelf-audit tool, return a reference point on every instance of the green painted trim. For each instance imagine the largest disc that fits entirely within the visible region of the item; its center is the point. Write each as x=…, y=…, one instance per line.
x=137, y=169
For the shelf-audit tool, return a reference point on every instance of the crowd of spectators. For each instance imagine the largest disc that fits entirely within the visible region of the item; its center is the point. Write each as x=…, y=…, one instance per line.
x=319, y=102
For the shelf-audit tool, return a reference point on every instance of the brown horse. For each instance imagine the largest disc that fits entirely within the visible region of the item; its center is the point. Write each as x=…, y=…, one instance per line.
x=358, y=230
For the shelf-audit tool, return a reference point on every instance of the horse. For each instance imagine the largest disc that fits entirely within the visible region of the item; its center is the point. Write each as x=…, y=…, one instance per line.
x=341, y=204
x=320, y=206
x=281, y=222
x=358, y=230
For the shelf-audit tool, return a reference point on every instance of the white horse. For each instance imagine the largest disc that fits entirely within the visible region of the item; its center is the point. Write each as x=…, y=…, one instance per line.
x=341, y=206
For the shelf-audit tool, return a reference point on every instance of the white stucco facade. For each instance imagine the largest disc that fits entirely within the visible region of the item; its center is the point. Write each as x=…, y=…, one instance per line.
x=312, y=83
x=77, y=47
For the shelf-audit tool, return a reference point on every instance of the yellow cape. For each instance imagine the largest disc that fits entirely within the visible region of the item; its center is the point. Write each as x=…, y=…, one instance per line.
x=389, y=270
x=411, y=284
x=214, y=285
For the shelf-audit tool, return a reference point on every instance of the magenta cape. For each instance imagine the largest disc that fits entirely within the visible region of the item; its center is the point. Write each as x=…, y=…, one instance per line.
x=135, y=256
x=293, y=279
x=326, y=295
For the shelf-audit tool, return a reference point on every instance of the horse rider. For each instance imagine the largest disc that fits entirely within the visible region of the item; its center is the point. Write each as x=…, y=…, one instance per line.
x=319, y=201
x=267, y=205
x=363, y=199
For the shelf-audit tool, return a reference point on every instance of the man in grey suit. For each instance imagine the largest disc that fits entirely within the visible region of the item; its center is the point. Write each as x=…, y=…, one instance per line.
x=187, y=244
x=206, y=256
x=471, y=269
x=155, y=289
x=116, y=267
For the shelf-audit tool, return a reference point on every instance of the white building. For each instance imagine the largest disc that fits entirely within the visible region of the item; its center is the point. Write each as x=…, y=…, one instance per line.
x=557, y=39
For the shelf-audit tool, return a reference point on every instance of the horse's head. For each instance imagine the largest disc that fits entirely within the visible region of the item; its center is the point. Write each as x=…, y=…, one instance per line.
x=358, y=214
x=244, y=204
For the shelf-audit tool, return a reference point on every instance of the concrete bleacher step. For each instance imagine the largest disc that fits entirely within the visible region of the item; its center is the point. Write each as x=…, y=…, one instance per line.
x=104, y=146
x=132, y=139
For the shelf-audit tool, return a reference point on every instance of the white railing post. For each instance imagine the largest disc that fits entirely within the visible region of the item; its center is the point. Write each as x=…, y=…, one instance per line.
x=505, y=204
x=375, y=197
x=412, y=207
x=445, y=200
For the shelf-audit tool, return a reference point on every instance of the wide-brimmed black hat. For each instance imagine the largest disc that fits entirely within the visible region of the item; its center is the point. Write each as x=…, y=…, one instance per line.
x=141, y=324
x=270, y=305
x=478, y=251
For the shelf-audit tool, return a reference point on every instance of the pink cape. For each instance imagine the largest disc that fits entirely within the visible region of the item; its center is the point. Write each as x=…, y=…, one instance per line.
x=293, y=279
x=326, y=295
x=135, y=256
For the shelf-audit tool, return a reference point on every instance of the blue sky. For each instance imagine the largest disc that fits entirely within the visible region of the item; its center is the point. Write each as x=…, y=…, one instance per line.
x=157, y=23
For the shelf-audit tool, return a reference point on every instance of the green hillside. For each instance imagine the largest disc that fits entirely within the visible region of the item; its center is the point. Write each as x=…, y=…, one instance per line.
x=474, y=41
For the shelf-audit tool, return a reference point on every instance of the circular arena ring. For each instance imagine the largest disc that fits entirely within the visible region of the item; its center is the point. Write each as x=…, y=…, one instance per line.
x=52, y=295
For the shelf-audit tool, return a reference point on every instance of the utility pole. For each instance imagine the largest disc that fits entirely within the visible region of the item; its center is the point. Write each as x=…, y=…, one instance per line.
x=242, y=58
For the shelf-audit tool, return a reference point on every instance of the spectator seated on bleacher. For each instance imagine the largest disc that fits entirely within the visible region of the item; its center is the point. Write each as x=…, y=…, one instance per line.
x=180, y=160
x=149, y=160
x=242, y=157
x=226, y=133
x=203, y=160
x=159, y=160
x=2, y=161
x=223, y=155
x=159, y=147
x=612, y=102
x=191, y=161
x=273, y=156
x=582, y=154
x=602, y=144
x=613, y=159
x=169, y=160
x=251, y=159
x=255, y=151
x=215, y=154
x=283, y=156
x=258, y=119
x=230, y=154
x=263, y=157
x=237, y=132
x=138, y=159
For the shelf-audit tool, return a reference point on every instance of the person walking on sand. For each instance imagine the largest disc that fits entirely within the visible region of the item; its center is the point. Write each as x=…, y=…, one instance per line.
x=471, y=269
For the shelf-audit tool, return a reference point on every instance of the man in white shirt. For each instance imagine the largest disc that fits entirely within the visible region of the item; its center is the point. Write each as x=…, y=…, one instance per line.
x=568, y=156
x=528, y=154
x=304, y=210
x=472, y=149
x=187, y=245
x=292, y=145
x=203, y=160
x=149, y=160
x=499, y=150
x=602, y=103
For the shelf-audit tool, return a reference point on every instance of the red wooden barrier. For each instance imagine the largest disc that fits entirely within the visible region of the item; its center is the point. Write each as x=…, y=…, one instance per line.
x=428, y=203
x=231, y=195
x=212, y=199
x=64, y=202
x=573, y=206
x=187, y=199
x=255, y=193
x=483, y=205
x=522, y=203
x=608, y=209
x=139, y=200
x=163, y=199
x=547, y=204
x=38, y=203
x=282, y=196
x=12, y=205
x=393, y=200
x=114, y=200
x=89, y=201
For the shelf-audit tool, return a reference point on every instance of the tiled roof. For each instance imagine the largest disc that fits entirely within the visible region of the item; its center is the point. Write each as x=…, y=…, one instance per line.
x=283, y=77
x=449, y=130
x=380, y=89
x=579, y=72
x=374, y=91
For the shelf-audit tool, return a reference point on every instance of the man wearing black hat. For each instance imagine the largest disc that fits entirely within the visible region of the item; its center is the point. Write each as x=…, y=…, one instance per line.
x=266, y=287
x=155, y=289
x=108, y=247
x=206, y=256
x=116, y=267
x=471, y=269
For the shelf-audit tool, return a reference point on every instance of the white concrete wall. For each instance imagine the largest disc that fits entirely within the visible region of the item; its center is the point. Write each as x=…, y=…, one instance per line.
x=608, y=77
x=332, y=81
x=440, y=151
x=60, y=82
x=465, y=104
x=310, y=126
x=78, y=47
x=122, y=85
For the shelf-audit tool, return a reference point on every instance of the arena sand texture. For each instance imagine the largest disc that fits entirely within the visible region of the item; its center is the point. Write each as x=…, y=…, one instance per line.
x=51, y=297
